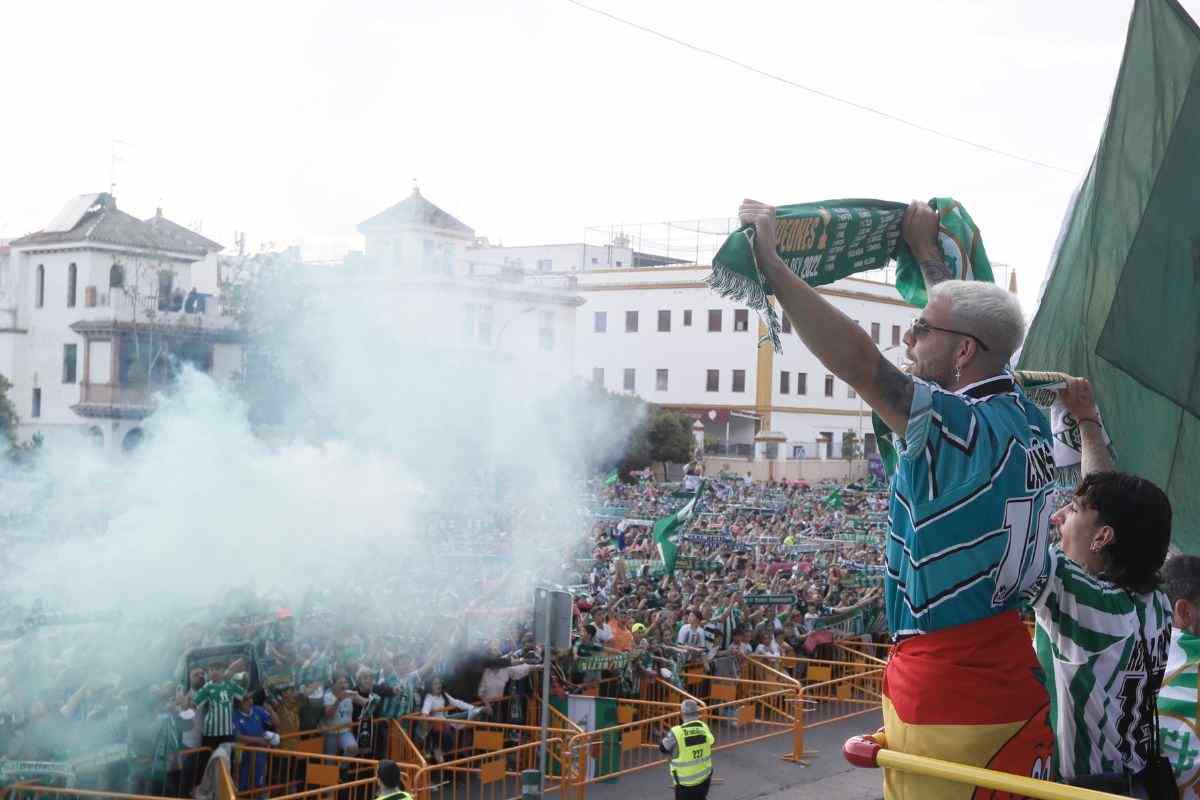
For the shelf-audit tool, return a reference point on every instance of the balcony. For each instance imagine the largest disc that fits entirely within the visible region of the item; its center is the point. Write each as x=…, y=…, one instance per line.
x=113, y=401
x=197, y=318
x=732, y=449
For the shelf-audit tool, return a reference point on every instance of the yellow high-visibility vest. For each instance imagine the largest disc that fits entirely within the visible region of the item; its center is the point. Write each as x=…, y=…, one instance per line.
x=692, y=764
x=397, y=795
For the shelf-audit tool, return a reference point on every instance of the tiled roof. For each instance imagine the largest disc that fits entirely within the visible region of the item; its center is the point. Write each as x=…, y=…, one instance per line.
x=416, y=210
x=185, y=237
x=106, y=223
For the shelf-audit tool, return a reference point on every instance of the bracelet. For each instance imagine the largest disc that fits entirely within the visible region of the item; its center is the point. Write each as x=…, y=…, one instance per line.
x=1093, y=420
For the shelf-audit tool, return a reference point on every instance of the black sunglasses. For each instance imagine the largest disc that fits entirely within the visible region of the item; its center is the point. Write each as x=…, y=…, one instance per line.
x=920, y=327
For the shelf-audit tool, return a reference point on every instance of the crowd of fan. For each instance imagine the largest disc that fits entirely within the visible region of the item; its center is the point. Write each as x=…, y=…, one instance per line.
x=263, y=669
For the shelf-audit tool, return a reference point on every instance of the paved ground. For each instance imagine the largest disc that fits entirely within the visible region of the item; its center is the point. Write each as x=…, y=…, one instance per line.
x=755, y=771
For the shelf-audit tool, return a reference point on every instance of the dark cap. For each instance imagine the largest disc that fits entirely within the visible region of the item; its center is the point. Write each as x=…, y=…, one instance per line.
x=389, y=774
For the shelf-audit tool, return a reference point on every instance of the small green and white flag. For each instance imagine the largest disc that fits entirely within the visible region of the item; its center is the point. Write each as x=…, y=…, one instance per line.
x=834, y=500
x=668, y=529
x=592, y=714
x=612, y=478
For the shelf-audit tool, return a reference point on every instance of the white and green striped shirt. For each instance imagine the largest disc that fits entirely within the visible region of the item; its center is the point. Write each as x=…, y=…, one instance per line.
x=1089, y=642
x=217, y=700
x=1177, y=701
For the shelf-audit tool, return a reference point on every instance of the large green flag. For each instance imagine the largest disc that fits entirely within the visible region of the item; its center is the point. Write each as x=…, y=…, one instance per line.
x=612, y=478
x=667, y=530
x=1121, y=303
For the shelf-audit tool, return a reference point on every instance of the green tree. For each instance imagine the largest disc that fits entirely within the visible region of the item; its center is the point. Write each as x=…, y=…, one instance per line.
x=267, y=294
x=8, y=416
x=21, y=453
x=670, y=438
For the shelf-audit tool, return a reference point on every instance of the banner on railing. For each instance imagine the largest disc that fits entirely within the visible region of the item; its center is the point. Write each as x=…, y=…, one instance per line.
x=692, y=564
x=610, y=512
x=771, y=599
x=597, y=663
x=853, y=625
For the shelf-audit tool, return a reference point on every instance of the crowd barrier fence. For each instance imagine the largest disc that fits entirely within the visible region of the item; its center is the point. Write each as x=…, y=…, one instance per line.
x=493, y=775
x=271, y=772
x=766, y=697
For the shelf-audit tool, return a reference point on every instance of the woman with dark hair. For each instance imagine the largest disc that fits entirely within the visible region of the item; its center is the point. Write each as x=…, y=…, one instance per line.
x=1103, y=623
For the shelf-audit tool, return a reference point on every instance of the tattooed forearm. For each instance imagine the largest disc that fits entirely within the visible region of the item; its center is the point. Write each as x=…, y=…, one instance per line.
x=935, y=271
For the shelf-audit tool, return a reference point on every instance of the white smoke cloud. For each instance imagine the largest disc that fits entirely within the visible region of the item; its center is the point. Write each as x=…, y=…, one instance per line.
x=390, y=423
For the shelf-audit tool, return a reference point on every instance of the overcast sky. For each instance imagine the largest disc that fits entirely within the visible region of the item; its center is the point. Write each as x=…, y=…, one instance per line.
x=533, y=119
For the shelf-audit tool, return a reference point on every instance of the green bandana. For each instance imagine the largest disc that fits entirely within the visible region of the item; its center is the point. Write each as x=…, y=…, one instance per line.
x=826, y=241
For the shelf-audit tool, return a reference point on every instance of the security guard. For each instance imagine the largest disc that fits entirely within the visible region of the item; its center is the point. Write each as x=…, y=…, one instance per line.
x=388, y=777
x=690, y=747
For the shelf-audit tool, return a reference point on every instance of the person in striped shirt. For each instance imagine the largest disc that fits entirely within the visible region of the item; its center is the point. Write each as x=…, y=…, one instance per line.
x=215, y=700
x=968, y=510
x=1103, y=623
x=1177, y=700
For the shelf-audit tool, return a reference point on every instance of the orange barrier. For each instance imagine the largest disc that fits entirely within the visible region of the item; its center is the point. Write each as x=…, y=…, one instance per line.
x=274, y=772
x=609, y=753
x=768, y=697
x=26, y=791
x=493, y=775
x=834, y=690
x=225, y=790
x=358, y=790
x=471, y=737
x=864, y=650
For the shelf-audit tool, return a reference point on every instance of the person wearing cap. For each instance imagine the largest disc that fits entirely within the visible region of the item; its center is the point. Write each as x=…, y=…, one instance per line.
x=389, y=779
x=689, y=745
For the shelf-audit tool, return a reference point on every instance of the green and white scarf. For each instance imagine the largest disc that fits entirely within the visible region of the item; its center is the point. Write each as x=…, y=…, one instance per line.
x=825, y=241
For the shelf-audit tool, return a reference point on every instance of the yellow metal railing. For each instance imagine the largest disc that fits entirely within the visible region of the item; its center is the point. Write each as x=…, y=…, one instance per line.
x=871, y=751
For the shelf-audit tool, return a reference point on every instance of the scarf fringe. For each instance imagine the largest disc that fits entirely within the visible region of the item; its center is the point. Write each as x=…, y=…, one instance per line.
x=728, y=283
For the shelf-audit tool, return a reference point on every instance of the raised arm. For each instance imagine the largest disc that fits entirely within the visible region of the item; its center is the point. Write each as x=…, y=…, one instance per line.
x=842, y=346
x=1081, y=402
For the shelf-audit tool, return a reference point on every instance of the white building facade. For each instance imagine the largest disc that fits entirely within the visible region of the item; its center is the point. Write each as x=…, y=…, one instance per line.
x=662, y=334
x=98, y=311
x=419, y=261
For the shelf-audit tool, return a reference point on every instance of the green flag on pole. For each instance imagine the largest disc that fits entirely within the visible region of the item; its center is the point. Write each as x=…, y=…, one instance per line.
x=834, y=500
x=667, y=530
x=612, y=478
x=1119, y=304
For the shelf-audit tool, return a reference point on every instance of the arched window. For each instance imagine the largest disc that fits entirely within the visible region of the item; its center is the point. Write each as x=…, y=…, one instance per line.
x=116, y=277
x=132, y=440
x=39, y=297
x=71, y=275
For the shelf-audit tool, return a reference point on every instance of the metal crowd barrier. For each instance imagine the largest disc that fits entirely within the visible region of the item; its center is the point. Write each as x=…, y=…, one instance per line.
x=767, y=697
x=493, y=775
x=269, y=772
x=870, y=751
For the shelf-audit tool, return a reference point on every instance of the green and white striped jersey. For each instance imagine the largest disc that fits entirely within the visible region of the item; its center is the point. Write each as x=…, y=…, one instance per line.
x=217, y=700
x=1177, y=701
x=1089, y=642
